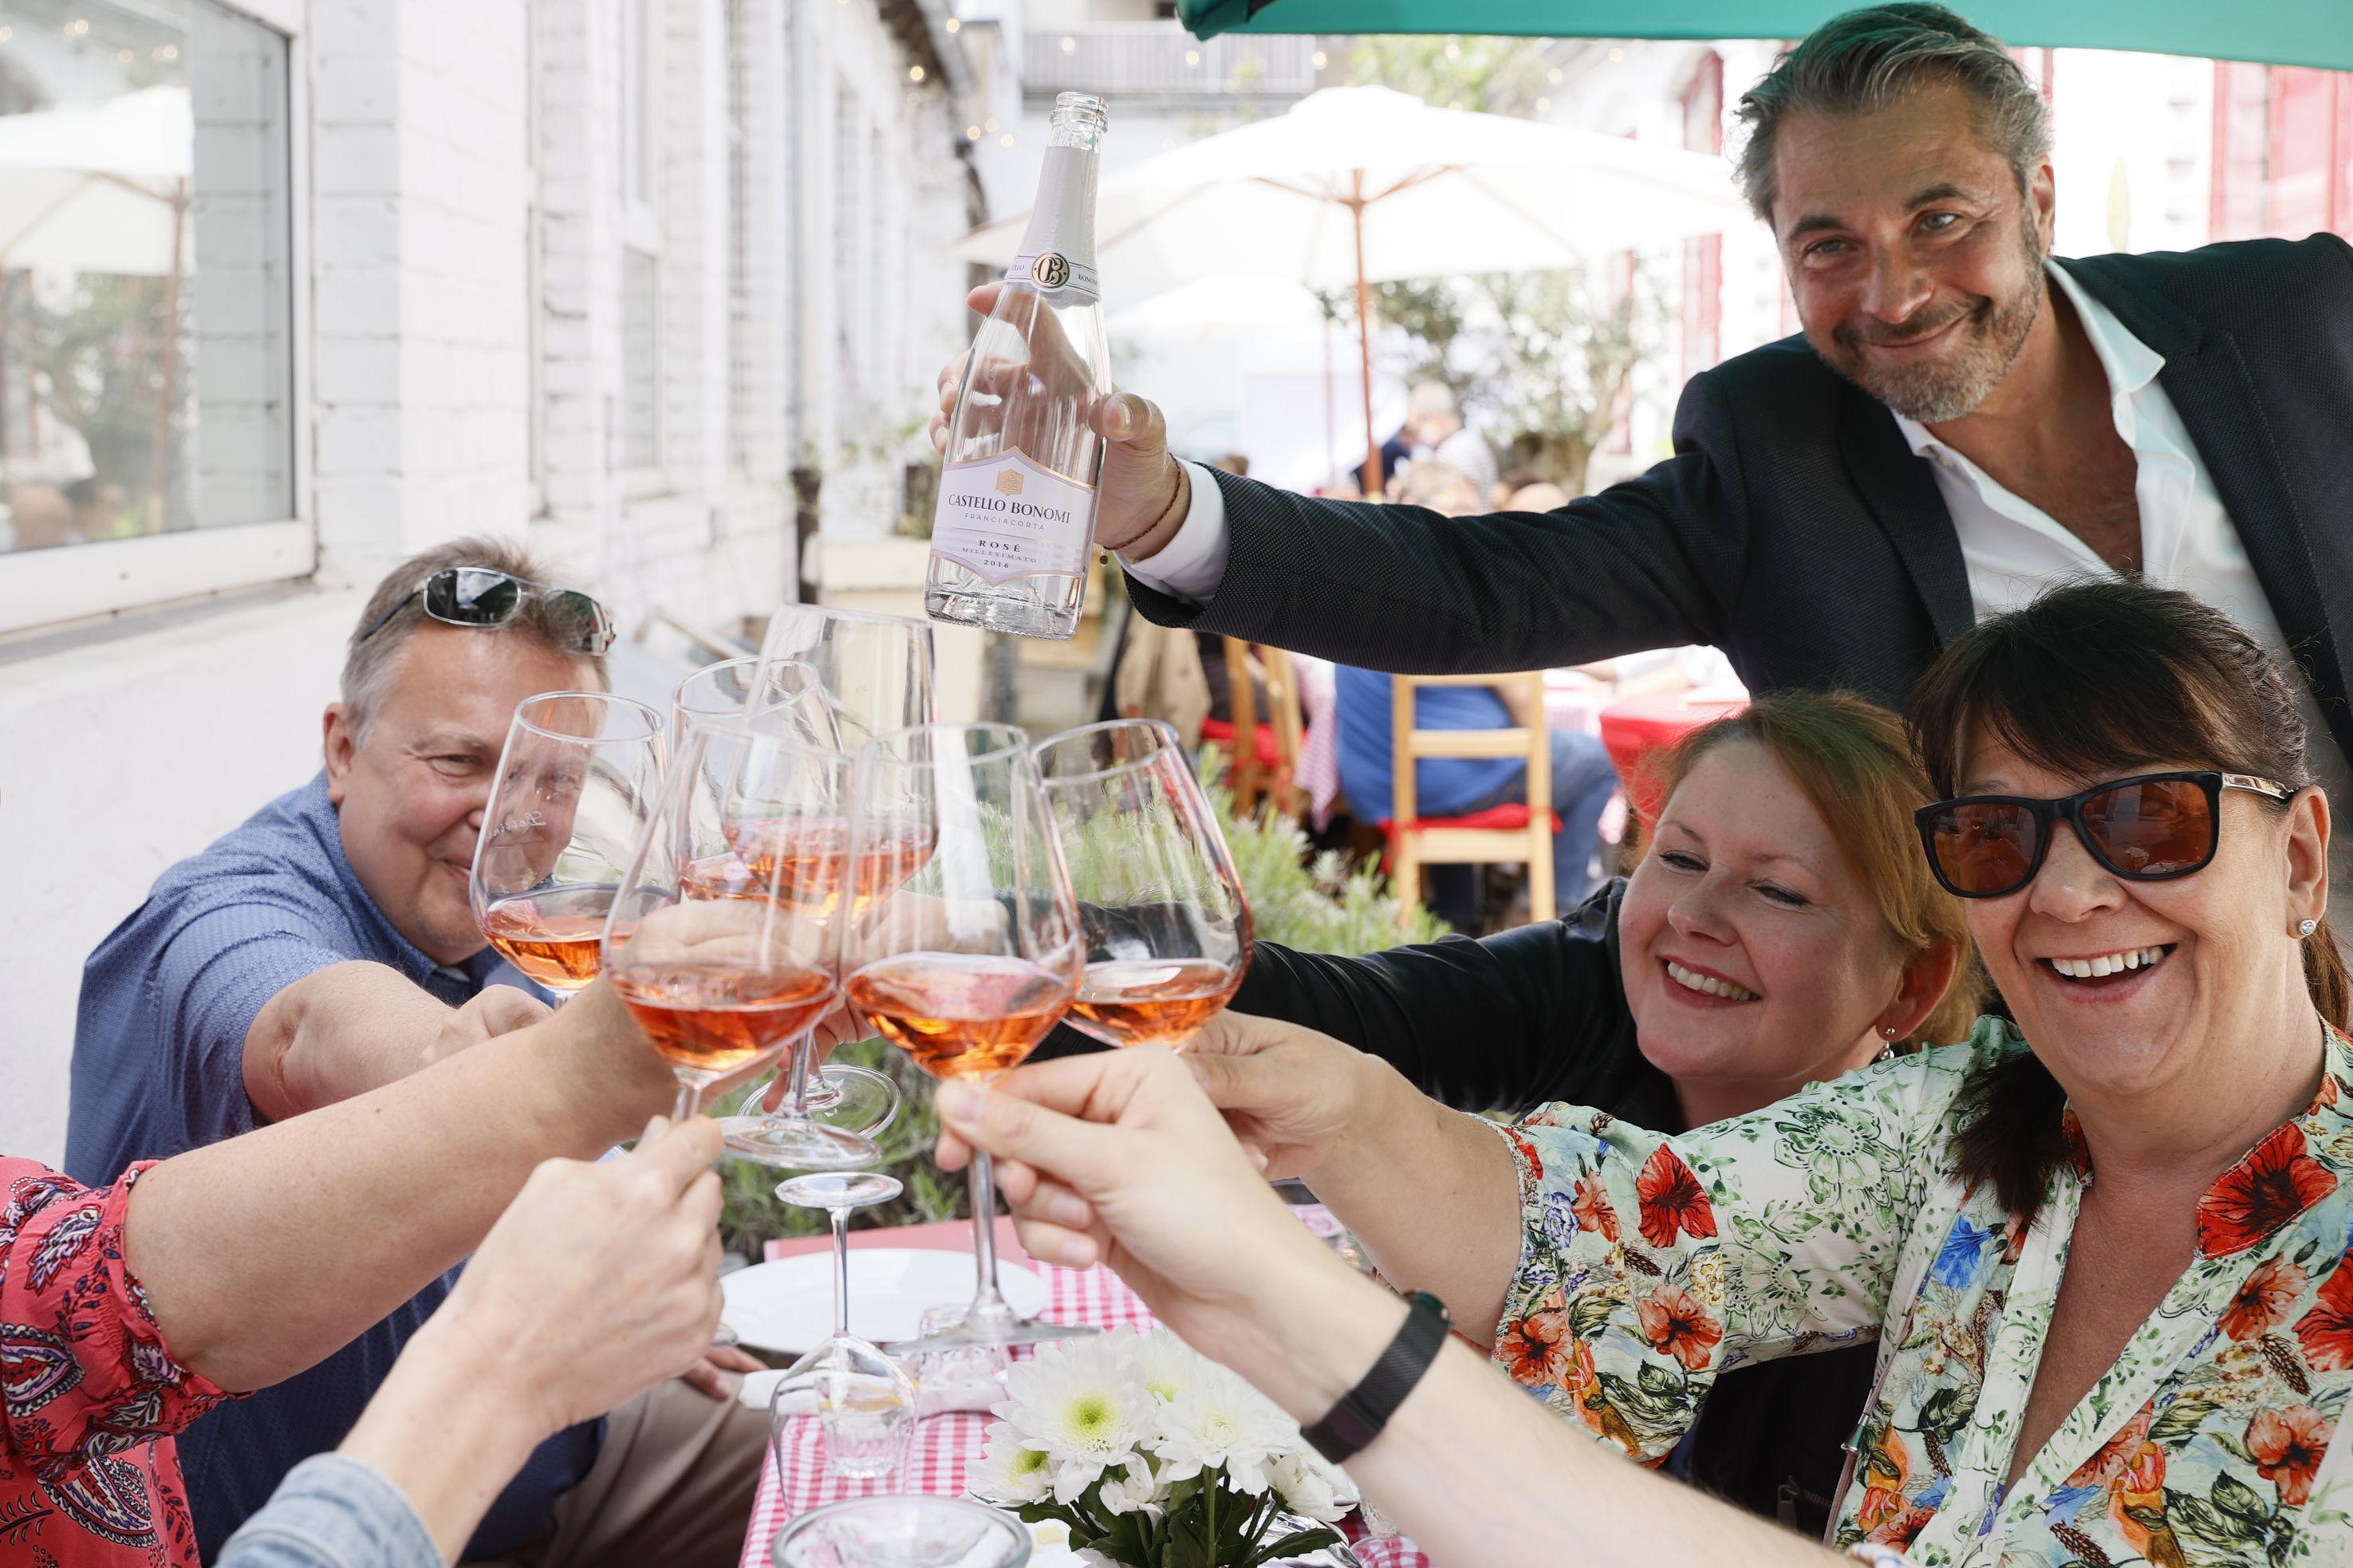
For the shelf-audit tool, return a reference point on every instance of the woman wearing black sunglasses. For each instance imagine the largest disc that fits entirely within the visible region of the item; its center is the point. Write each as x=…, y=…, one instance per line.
x=2103, y=1247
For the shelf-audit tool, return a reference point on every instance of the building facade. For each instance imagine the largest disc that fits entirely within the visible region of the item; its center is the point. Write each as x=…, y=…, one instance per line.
x=293, y=288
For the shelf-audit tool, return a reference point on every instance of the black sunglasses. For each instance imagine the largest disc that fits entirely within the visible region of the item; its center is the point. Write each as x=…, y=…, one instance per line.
x=2150, y=828
x=478, y=596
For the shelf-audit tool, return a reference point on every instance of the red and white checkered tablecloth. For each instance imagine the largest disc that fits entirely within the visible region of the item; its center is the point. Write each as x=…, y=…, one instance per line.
x=943, y=1446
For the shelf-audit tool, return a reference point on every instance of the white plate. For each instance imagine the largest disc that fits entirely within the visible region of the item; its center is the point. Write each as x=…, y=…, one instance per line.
x=787, y=1305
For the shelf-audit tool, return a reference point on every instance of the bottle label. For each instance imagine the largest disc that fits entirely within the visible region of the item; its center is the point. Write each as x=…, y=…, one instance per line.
x=1005, y=517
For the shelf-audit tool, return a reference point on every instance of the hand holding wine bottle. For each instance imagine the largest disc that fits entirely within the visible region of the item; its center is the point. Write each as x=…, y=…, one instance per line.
x=1143, y=489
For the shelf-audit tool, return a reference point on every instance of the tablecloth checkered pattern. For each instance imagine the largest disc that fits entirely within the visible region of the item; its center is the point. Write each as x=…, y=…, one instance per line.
x=795, y=1480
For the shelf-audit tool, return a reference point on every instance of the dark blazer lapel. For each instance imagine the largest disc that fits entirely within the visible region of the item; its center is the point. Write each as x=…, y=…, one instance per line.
x=2207, y=381
x=1903, y=496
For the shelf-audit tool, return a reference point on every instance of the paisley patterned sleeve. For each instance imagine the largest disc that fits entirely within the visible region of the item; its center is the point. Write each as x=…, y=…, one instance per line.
x=1650, y=1263
x=86, y=1368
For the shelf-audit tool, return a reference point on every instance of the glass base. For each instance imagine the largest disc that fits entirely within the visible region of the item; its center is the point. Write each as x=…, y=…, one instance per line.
x=1004, y=609
x=984, y=1327
x=802, y=1145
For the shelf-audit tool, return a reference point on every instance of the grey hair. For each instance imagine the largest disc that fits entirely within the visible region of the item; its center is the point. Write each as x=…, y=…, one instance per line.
x=369, y=664
x=1862, y=61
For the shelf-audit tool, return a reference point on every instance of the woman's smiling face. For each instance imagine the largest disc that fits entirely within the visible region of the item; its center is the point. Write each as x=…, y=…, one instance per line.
x=1754, y=957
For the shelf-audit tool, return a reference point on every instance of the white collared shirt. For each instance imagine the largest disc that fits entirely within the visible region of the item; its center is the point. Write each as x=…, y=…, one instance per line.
x=2012, y=549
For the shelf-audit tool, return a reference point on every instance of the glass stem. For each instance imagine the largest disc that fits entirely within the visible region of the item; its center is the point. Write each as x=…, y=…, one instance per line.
x=984, y=1229
x=796, y=1102
x=689, y=1099
x=840, y=1273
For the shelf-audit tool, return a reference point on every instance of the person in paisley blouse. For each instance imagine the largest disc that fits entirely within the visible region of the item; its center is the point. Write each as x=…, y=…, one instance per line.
x=129, y=1311
x=2102, y=1244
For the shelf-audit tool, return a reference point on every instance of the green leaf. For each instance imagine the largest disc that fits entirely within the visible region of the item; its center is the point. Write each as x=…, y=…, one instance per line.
x=2181, y=1418
x=1589, y=1315
x=1663, y=1382
x=2241, y=1502
x=1297, y=1544
x=2194, y=1516
x=2146, y=1517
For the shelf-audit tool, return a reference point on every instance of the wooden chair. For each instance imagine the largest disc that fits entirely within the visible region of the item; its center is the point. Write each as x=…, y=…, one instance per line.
x=1265, y=755
x=1504, y=833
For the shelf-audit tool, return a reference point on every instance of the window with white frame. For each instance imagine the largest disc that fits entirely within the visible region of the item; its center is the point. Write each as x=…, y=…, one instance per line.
x=146, y=299
x=641, y=368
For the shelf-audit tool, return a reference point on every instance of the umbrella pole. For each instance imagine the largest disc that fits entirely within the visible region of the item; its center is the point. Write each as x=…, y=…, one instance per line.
x=159, y=455
x=1364, y=341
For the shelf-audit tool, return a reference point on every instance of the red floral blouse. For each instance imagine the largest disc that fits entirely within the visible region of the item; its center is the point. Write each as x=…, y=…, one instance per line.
x=89, y=1397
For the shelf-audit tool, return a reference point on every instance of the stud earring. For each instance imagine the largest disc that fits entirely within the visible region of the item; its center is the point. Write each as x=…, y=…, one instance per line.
x=2305, y=928
x=1889, y=1031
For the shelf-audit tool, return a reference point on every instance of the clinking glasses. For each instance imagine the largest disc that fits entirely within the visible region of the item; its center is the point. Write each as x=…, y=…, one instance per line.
x=479, y=596
x=2146, y=829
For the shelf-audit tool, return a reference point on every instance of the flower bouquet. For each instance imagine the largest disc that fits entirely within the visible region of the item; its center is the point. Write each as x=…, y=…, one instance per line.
x=1156, y=1456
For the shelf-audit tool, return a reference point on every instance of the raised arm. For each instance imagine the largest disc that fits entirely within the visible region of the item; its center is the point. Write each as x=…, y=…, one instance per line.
x=1467, y=1465
x=1505, y=1022
x=1654, y=562
x=263, y=1254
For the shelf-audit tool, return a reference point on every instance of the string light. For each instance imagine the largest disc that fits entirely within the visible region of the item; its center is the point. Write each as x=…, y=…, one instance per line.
x=1005, y=140
x=1553, y=76
x=1616, y=53
x=1070, y=45
x=989, y=126
x=915, y=73
x=955, y=25
x=1544, y=106
x=972, y=132
x=1192, y=57
x=1321, y=62
x=122, y=57
x=76, y=27
x=168, y=52
x=6, y=34
x=1453, y=50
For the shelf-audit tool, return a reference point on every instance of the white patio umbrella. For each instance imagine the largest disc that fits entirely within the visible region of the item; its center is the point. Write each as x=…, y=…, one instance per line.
x=103, y=188
x=1359, y=184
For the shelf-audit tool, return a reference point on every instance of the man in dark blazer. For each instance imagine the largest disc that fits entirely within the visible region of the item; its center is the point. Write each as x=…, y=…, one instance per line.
x=1963, y=419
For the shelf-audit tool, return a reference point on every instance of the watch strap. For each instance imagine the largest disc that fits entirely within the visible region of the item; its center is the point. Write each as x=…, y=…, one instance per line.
x=1365, y=1409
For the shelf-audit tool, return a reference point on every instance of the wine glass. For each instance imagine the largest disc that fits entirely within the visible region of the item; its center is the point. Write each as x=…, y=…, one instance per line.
x=576, y=785
x=786, y=698
x=875, y=670
x=1168, y=930
x=718, y=983
x=968, y=962
x=903, y=1530
x=834, y=678
x=864, y=1390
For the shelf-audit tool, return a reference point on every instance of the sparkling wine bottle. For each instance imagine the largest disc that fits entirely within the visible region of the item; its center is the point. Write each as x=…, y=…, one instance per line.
x=1016, y=513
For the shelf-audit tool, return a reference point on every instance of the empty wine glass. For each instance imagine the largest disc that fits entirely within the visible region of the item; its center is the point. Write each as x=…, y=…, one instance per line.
x=875, y=670
x=718, y=983
x=1166, y=928
x=862, y=1392
x=576, y=785
x=786, y=698
x=968, y=962
x=903, y=1530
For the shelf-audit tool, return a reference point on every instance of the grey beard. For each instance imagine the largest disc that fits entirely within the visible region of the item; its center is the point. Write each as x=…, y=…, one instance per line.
x=1941, y=393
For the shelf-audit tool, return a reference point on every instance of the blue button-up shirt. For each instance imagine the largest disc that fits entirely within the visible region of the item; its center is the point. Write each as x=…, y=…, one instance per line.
x=159, y=1069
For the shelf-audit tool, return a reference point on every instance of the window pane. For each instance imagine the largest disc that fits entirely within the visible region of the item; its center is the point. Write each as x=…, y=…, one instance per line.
x=640, y=371
x=145, y=368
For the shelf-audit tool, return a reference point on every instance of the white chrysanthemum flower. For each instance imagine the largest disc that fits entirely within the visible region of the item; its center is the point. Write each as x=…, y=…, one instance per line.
x=1312, y=1486
x=1082, y=1404
x=1131, y=1488
x=1167, y=1364
x=1222, y=1421
x=1009, y=1470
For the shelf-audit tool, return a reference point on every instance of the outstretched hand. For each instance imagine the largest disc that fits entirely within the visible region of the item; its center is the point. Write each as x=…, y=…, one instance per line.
x=1289, y=1093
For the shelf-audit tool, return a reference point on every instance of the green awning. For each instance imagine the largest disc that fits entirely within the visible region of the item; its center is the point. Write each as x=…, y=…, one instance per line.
x=2278, y=31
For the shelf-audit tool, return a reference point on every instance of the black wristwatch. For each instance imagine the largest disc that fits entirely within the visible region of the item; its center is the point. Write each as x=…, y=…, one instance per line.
x=1365, y=1409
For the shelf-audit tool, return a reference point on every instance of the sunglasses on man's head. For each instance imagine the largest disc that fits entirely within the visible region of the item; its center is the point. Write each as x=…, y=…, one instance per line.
x=479, y=596
x=2145, y=829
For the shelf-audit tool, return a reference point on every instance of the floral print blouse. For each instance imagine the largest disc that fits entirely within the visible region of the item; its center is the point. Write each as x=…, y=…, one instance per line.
x=88, y=1395
x=1649, y=1263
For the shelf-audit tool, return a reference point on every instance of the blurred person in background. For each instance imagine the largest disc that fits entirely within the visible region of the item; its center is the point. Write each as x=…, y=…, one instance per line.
x=1583, y=778
x=1434, y=423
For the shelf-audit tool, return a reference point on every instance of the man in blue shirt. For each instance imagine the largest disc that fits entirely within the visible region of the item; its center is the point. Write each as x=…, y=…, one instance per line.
x=325, y=948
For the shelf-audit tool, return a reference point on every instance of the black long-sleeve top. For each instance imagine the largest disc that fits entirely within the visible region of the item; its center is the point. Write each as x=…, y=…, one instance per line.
x=1537, y=1014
